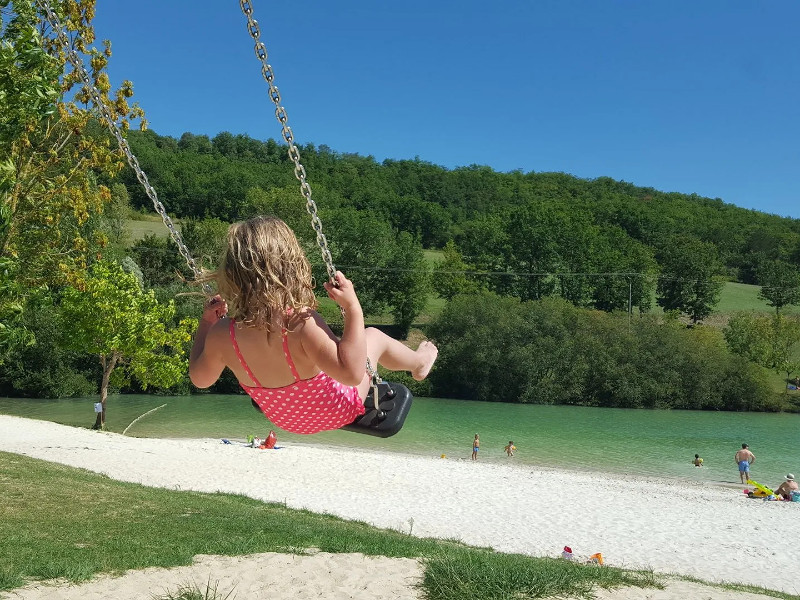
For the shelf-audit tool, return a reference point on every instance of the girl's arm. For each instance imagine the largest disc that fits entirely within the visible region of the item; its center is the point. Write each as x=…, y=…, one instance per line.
x=205, y=360
x=343, y=359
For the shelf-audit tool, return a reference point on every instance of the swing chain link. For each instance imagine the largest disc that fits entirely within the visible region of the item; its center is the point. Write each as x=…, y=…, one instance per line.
x=283, y=118
x=294, y=155
x=141, y=176
x=101, y=106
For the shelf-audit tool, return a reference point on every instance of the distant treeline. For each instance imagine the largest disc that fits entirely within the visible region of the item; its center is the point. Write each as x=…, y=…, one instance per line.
x=550, y=352
x=198, y=176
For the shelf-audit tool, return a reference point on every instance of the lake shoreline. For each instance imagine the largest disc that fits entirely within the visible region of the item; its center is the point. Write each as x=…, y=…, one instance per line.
x=658, y=444
x=715, y=534
x=511, y=463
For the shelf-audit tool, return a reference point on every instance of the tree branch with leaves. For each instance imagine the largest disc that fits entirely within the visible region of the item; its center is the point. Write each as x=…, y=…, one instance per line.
x=112, y=316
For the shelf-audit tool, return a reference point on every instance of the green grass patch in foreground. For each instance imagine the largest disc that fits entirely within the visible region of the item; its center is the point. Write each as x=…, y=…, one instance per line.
x=738, y=587
x=61, y=522
x=192, y=591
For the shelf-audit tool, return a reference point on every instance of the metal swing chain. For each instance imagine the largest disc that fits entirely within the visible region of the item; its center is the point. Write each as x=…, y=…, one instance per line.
x=294, y=154
x=283, y=118
x=77, y=63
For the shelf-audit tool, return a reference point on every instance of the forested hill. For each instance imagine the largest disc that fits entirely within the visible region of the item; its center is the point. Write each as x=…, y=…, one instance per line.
x=474, y=206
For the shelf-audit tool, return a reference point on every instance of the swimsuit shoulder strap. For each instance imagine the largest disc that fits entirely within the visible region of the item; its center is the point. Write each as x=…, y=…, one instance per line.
x=239, y=354
x=288, y=355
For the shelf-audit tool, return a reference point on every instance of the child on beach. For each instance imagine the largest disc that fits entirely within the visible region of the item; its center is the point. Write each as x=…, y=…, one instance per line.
x=476, y=446
x=303, y=377
x=510, y=448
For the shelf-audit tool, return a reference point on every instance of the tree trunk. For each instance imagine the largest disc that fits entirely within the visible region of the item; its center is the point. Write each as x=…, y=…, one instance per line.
x=108, y=367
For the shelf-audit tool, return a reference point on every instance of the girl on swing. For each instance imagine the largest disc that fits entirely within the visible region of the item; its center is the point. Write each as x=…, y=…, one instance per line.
x=303, y=377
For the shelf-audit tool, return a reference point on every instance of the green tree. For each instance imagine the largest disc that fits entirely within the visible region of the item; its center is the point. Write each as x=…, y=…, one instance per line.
x=111, y=316
x=625, y=272
x=426, y=221
x=13, y=332
x=205, y=239
x=450, y=275
x=748, y=335
x=484, y=243
x=687, y=282
x=361, y=245
x=551, y=352
x=577, y=241
x=115, y=215
x=768, y=341
x=36, y=365
x=780, y=283
x=785, y=339
x=159, y=260
x=50, y=154
x=532, y=250
x=408, y=284
x=285, y=203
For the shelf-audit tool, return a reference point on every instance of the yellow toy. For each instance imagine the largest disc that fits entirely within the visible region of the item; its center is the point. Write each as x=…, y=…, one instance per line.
x=761, y=491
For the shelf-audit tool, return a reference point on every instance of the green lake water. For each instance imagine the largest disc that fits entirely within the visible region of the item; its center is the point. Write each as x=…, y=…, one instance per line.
x=639, y=442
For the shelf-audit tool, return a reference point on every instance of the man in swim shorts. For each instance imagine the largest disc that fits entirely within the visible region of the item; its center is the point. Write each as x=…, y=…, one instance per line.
x=744, y=458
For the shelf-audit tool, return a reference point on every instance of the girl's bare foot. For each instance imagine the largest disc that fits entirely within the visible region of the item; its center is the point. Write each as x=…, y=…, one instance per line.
x=427, y=353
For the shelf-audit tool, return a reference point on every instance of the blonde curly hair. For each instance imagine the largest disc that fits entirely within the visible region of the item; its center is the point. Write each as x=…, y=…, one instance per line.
x=263, y=273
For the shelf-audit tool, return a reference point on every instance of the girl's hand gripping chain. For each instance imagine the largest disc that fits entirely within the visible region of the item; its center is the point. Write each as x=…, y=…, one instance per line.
x=342, y=292
x=215, y=309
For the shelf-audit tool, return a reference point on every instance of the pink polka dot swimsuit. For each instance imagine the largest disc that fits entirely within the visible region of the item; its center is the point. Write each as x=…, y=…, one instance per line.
x=307, y=405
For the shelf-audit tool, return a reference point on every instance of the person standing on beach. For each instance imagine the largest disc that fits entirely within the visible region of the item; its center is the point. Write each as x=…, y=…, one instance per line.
x=744, y=458
x=476, y=445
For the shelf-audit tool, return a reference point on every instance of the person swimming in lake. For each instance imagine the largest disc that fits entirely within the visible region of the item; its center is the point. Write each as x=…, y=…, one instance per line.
x=698, y=462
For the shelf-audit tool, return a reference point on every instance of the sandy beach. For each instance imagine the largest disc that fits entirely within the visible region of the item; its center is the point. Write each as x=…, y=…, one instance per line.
x=715, y=534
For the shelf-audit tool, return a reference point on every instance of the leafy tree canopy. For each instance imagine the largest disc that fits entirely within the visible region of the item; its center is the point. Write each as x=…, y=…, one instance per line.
x=111, y=316
x=780, y=283
x=51, y=154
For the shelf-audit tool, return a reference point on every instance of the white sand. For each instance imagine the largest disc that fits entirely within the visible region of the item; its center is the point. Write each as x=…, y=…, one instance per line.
x=714, y=534
x=270, y=576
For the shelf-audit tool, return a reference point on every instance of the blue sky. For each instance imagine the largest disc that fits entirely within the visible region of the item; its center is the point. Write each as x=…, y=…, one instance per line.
x=686, y=96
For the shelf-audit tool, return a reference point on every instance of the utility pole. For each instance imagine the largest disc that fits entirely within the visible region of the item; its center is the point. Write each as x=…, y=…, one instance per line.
x=630, y=299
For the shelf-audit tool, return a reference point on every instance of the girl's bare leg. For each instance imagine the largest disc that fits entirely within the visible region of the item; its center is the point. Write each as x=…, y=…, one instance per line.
x=396, y=356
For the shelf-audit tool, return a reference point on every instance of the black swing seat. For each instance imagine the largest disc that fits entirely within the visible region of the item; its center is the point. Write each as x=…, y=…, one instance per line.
x=394, y=402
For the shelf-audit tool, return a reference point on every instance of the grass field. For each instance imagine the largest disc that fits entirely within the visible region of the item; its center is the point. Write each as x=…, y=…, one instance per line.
x=113, y=526
x=741, y=296
x=144, y=225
